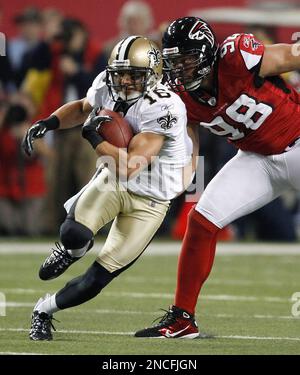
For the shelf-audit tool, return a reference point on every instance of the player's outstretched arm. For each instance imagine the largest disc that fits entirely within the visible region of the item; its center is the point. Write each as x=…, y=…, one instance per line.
x=73, y=113
x=67, y=116
x=280, y=58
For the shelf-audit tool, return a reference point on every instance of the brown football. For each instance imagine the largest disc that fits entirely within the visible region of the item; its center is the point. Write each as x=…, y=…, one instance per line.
x=117, y=131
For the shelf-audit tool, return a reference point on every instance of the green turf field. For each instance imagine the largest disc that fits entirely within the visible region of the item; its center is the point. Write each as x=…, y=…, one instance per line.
x=245, y=307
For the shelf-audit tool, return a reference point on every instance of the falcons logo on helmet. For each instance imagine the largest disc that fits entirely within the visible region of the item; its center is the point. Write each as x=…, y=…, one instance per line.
x=200, y=31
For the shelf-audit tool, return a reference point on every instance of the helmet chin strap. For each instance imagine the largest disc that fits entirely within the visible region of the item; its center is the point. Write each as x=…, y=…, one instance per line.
x=135, y=95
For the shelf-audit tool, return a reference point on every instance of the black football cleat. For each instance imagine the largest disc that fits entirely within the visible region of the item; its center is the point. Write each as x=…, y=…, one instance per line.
x=58, y=262
x=176, y=323
x=41, y=324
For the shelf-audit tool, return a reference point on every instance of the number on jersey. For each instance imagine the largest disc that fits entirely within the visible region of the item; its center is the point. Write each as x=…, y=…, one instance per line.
x=246, y=113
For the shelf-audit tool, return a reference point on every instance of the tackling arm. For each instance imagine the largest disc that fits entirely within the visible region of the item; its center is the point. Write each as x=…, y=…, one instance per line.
x=193, y=132
x=280, y=58
x=141, y=149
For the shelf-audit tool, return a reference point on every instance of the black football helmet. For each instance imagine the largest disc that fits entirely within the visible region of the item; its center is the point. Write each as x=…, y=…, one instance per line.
x=189, y=52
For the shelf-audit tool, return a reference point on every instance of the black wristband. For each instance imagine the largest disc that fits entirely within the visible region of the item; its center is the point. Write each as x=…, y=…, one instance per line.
x=94, y=138
x=51, y=123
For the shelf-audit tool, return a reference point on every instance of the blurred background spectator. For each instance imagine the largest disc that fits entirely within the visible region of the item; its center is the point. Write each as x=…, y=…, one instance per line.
x=29, y=32
x=53, y=55
x=135, y=18
x=22, y=180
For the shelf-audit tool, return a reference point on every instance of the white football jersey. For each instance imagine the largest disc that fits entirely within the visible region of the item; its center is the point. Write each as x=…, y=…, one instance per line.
x=160, y=111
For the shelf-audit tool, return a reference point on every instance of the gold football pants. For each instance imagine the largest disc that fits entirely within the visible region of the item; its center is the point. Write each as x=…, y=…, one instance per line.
x=135, y=219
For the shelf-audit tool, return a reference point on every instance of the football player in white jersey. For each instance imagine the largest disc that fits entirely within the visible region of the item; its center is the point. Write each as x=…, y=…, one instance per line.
x=136, y=198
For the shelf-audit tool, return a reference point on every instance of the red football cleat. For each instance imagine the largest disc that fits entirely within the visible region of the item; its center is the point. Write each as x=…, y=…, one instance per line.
x=176, y=323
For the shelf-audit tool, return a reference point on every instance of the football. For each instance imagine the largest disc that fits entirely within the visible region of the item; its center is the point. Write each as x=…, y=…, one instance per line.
x=117, y=131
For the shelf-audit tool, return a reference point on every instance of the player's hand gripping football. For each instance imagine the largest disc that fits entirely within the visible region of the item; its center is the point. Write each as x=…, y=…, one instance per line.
x=91, y=127
x=38, y=130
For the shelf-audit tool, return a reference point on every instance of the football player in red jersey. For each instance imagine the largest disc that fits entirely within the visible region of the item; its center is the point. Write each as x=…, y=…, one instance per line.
x=235, y=91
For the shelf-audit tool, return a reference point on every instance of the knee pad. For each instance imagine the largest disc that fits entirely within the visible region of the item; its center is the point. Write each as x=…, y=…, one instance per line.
x=74, y=235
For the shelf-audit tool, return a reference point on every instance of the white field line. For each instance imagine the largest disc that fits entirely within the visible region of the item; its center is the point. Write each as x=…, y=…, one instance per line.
x=258, y=338
x=210, y=297
x=16, y=304
x=20, y=353
x=255, y=316
x=238, y=337
x=167, y=281
x=151, y=313
x=72, y=331
x=165, y=248
x=170, y=280
x=22, y=291
x=155, y=313
x=213, y=281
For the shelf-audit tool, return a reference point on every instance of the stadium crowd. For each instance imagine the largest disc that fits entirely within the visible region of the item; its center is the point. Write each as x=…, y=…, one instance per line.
x=53, y=60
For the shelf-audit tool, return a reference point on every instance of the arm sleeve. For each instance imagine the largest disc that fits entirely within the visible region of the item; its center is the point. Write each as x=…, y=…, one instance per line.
x=165, y=118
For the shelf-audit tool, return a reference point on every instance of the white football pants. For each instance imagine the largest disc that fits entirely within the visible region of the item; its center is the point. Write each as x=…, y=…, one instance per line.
x=247, y=182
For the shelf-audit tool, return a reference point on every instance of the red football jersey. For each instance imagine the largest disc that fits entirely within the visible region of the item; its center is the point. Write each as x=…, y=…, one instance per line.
x=255, y=114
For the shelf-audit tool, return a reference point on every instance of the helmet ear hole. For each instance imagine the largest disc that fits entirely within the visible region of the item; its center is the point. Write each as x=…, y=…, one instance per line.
x=185, y=37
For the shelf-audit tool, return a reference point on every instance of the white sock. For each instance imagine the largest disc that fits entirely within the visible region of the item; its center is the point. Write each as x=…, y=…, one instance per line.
x=47, y=305
x=78, y=253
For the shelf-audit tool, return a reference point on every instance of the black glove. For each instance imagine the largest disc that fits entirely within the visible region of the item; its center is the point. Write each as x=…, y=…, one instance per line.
x=91, y=127
x=38, y=130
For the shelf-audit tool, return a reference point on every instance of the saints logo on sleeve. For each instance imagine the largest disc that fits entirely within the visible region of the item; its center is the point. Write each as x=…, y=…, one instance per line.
x=166, y=122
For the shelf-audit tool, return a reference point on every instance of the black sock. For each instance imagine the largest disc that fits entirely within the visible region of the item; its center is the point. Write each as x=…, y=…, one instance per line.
x=84, y=287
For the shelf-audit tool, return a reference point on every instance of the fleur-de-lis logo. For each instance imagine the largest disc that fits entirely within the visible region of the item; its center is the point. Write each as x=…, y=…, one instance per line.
x=166, y=122
x=154, y=56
